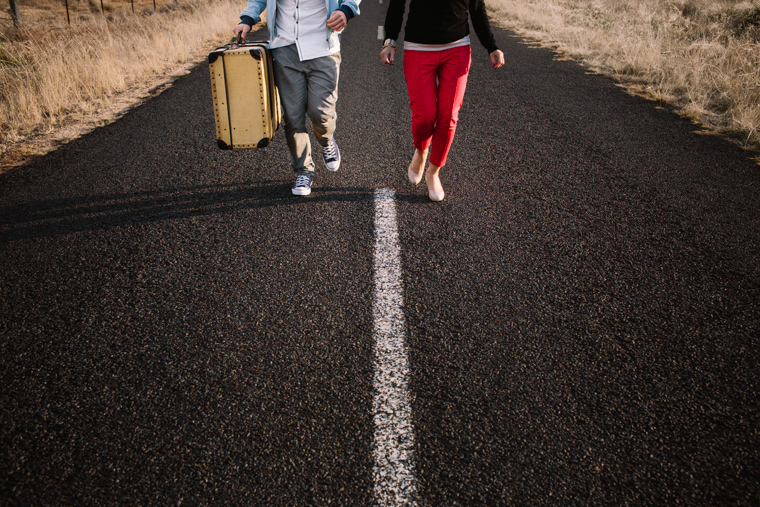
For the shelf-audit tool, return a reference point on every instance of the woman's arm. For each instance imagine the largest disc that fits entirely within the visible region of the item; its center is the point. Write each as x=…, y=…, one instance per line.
x=394, y=17
x=480, y=22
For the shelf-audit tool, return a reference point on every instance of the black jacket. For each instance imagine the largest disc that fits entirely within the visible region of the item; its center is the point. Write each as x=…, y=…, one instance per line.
x=439, y=21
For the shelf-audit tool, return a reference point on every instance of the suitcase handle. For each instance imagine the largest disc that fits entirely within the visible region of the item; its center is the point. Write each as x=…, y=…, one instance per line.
x=240, y=42
x=219, y=50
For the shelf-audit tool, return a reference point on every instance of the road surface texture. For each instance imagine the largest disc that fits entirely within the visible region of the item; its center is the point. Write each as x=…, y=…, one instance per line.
x=579, y=320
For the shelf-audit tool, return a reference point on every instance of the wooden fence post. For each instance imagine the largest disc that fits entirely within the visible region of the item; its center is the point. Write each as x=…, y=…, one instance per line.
x=15, y=13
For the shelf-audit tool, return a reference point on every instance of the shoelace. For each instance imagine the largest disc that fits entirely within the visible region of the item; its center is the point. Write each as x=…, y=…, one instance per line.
x=329, y=151
x=303, y=180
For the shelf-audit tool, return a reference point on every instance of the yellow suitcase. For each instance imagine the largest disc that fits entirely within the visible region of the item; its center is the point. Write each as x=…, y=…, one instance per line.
x=246, y=101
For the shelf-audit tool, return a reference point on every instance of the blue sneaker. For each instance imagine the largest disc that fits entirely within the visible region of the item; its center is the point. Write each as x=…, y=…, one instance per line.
x=302, y=186
x=331, y=155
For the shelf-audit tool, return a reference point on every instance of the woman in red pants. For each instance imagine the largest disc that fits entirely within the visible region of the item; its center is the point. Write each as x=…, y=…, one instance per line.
x=436, y=65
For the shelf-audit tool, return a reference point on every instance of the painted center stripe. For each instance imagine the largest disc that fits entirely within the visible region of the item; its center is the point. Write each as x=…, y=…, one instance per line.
x=381, y=32
x=393, y=449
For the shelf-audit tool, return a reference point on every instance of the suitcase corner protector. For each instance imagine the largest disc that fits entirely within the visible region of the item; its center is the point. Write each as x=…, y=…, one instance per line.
x=222, y=145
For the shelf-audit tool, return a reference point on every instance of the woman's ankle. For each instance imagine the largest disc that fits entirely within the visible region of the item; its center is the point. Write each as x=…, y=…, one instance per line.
x=432, y=177
x=417, y=165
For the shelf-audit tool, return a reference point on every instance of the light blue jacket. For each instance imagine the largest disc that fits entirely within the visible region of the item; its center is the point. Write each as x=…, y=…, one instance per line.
x=255, y=7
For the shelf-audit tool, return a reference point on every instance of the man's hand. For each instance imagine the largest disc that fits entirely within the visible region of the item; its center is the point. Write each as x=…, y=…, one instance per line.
x=337, y=20
x=388, y=55
x=497, y=59
x=241, y=31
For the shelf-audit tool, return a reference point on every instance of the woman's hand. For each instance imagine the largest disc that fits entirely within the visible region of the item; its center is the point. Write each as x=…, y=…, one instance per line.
x=497, y=59
x=388, y=55
x=241, y=31
x=337, y=20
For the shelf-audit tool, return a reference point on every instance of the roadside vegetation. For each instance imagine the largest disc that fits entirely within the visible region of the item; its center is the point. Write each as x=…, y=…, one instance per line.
x=58, y=80
x=60, y=77
x=701, y=56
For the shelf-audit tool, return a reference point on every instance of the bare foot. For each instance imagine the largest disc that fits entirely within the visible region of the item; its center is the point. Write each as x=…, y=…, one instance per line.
x=417, y=166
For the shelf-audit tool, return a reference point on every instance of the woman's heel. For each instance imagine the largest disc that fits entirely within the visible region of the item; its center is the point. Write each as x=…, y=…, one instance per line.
x=435, y=189
x=418, y=159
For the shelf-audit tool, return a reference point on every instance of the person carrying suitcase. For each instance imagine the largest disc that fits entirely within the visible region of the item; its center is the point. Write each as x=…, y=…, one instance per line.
x=305, y=46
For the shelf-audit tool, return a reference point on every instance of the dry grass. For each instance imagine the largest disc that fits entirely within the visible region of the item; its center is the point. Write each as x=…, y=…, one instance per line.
x=58, y=80
x=703, y=56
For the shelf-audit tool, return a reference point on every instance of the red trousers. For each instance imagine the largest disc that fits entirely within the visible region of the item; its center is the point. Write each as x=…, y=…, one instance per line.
x=436, y=81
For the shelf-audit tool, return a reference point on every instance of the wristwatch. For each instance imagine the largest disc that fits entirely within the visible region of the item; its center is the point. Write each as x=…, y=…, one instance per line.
x=389, y=42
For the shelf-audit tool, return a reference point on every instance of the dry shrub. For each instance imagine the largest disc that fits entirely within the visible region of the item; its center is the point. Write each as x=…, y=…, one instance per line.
x=74, y=71
x=701, y=55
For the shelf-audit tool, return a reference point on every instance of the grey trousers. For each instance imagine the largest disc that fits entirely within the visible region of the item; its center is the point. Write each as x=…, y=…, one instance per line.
x=306, y=88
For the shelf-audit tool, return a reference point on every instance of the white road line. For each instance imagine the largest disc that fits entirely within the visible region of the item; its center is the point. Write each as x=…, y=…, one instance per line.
x=393, y=447
x=381, y=32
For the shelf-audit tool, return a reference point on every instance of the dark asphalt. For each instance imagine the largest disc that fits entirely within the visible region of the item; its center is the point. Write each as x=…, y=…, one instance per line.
x=582, y=310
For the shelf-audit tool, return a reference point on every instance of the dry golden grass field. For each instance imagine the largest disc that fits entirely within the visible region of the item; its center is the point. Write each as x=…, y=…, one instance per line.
x=702, y=56
x=58, y=80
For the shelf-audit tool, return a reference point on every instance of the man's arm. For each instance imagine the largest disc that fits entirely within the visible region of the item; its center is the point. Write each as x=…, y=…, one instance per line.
x=346, y=10
x=252, y=12
x=249, y=17
x=349, y=7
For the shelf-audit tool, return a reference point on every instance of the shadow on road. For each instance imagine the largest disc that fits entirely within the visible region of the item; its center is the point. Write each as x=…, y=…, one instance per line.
x=87, y=213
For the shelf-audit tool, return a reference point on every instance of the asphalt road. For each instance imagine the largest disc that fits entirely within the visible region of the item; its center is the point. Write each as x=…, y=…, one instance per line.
x=581, y=313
